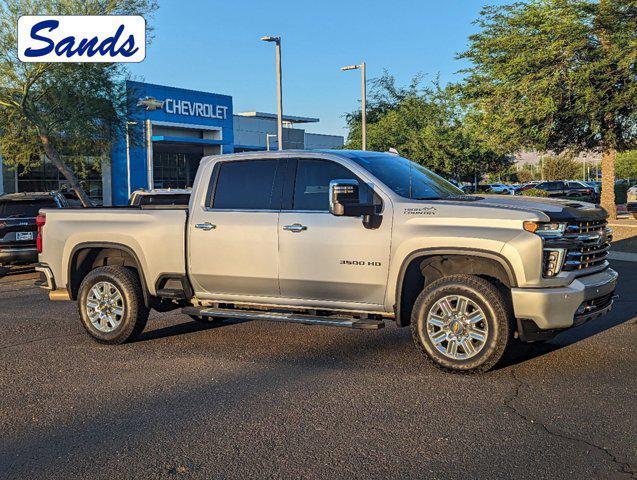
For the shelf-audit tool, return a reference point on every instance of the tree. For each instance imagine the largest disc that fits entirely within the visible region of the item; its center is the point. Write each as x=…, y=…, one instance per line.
x=428, y=125
x=525, y=175
x=560, y=168
x=627, y=164
x=63, y=110
x=558, y=75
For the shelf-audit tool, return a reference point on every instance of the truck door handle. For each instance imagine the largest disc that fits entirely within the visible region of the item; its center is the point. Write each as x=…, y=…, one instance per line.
x=295, y=228
x=205, y=226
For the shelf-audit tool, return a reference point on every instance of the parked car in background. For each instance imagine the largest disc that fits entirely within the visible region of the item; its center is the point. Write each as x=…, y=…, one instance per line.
x=631, y=202
x=161, y=197
x=500, y=188
x=561, y=188
x=597, y=186
x=18, y=226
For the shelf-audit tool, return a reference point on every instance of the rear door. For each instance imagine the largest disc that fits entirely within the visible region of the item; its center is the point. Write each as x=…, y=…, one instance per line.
x=325, y=258
x=233, y=237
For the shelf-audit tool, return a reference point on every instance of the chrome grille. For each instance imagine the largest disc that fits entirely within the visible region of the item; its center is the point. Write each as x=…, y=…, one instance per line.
x=591, y=243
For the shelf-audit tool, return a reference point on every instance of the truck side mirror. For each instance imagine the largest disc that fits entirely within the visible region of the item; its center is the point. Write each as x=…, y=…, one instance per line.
x=345, y=201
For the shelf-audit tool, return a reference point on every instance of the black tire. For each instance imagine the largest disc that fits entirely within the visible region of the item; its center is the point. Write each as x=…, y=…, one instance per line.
x=497, y=318
x=135, y=312
x=206, y=319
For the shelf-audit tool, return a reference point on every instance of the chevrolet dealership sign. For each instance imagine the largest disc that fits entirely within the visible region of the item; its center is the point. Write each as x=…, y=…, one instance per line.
x=174, y=106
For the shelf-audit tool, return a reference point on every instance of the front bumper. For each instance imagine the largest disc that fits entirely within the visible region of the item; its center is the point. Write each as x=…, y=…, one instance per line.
x=563, y=307
x=18, y=255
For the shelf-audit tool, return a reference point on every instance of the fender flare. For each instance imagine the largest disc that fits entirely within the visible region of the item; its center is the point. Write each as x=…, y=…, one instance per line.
x=474, y=252
x=109, y=245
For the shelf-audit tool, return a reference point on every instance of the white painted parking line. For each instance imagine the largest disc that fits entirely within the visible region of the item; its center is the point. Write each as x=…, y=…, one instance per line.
x=623, y=256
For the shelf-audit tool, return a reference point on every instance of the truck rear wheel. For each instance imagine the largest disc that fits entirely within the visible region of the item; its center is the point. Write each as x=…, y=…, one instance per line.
x=111, y=305
x=462, y=324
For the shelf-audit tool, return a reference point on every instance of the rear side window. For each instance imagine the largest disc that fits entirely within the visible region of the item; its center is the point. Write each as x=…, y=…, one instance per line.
x=24, y=208
x=177, y=199
x=246, y=185
x=312, y=183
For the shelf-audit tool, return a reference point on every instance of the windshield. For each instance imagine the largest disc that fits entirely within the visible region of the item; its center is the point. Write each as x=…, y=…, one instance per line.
x=406, y=178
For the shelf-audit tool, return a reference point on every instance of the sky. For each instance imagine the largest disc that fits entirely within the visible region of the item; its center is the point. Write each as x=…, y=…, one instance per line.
x=214, y=46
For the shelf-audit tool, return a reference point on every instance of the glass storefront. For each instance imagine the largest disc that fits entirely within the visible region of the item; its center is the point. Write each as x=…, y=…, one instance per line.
x=175, y=166
x=45, y=177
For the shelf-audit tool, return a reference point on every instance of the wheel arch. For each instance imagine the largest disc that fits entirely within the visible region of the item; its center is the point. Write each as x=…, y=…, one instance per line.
x=426, y=265
x=87, y=256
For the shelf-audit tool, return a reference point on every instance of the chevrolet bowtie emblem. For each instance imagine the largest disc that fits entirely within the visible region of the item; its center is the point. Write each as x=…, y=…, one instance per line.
x=150, y=103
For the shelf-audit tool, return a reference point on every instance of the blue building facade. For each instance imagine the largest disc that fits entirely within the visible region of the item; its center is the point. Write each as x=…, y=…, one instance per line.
x=169, y=130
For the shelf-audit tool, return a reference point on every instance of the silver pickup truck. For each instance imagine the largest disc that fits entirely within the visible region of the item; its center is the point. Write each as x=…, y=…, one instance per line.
x=338, y=238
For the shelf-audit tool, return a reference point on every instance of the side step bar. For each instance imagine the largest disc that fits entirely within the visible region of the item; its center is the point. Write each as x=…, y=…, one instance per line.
x=329, y=321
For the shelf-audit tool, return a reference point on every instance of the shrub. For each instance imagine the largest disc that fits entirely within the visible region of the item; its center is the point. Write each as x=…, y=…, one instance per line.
x=535, y=192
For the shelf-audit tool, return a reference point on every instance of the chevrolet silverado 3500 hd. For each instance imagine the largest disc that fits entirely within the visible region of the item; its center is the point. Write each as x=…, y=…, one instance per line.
x=338, y=238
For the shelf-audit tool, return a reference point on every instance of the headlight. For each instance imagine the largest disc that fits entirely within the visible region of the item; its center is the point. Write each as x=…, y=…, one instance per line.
x=546, y=230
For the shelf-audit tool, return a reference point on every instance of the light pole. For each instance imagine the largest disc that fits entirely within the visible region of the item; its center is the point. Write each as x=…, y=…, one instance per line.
x=279, y=88
x=268, y=136
x=361, y=67
x=128, y=157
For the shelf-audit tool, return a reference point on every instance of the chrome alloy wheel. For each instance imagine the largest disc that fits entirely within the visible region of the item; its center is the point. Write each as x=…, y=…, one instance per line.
x=457, y=327
x=105, y=306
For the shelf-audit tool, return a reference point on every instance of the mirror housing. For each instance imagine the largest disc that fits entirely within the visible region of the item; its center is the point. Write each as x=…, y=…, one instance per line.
x=345, y=201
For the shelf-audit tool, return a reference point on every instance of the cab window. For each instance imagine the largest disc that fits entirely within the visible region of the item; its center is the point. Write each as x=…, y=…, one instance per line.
x=312, y=184
x=246, y=185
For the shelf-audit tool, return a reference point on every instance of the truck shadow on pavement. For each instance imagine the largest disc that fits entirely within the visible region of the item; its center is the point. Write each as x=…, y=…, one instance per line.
x=184, y=329
x=7, y=271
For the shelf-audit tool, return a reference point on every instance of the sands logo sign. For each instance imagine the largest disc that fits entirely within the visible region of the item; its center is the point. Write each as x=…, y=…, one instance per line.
x=104, y=38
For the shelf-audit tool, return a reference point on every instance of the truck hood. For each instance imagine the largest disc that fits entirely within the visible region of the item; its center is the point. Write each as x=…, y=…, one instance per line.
x=555, y=209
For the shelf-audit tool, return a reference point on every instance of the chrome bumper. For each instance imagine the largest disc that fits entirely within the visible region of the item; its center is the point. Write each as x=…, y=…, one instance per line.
x=564, y=307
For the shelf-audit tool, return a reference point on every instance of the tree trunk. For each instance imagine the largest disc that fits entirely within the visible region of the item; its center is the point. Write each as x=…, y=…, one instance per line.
x=608, y=182
x=52, y=155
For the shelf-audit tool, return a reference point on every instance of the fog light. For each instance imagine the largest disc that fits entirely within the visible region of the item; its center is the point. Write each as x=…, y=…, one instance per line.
x=553, y=260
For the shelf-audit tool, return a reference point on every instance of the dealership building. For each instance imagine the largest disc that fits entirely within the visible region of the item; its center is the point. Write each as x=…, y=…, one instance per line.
x=168, y=131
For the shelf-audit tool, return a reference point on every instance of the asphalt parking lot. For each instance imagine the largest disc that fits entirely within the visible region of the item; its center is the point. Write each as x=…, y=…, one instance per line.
x=263, y=400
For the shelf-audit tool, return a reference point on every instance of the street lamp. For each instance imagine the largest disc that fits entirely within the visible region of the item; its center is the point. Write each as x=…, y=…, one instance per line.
x=361, y=67
x=128, y=156
x=279, y=92
x=268, y=136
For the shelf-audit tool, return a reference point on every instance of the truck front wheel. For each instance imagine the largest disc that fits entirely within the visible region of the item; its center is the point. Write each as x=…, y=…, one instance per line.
x=111, y=305
x=462, y=323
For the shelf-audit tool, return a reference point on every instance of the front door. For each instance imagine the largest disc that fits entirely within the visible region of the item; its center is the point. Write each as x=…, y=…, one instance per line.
x=327, y=258
x=233, y=247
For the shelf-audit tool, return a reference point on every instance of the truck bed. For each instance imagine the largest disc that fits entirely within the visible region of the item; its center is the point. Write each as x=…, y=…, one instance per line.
x=155, y=236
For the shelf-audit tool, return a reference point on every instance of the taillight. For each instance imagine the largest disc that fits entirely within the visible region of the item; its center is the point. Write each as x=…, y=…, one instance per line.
x=40, y=220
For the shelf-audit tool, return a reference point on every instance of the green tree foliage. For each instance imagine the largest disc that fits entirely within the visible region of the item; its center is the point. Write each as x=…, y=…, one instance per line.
x=525, y=175
x=558, y=75
x=627, y=165
x=560, y=168
x=62, y=110
x=429, y=125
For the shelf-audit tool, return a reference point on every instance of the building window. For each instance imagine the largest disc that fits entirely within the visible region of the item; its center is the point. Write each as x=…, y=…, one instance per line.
x=45, y=177
x=174, y=170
